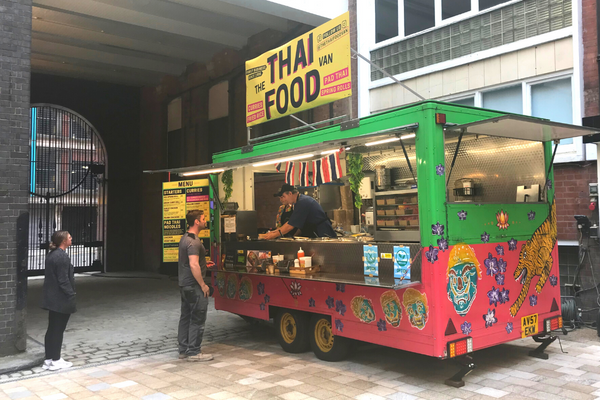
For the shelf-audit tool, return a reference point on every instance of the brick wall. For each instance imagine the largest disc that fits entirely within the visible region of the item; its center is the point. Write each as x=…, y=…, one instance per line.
x=572, y=195
x=15, y=50
x=590, y=65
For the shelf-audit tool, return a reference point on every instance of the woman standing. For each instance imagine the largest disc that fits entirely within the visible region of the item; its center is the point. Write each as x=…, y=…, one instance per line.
x=58, y=298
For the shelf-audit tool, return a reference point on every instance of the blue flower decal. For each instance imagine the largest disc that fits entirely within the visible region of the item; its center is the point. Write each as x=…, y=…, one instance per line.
x=509, y=327
x=261, y=288
x=262, y=306
x=339, y=325
x=485, y=237
x=267, y=298
x=553, y=280
x=512, y=244
x=465, y=327
x=462, y=215
x=329, y=302
x=340, y=307
x=500, y=250
x=532, y=300
x=381, y=325
x=490, y=318
x=437, y=229
x=500, y=279
x=431, y=254
x=340, y=287
x=442, y=244
x=504, y=296
x=491, y=264
x=501, y=265
x=494, y=296
x=439, y=169
x=531, y=215
x=549, y=183
x=311, y=302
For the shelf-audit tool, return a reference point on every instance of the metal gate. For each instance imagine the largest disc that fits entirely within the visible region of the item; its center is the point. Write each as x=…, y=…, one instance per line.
x=67, y=187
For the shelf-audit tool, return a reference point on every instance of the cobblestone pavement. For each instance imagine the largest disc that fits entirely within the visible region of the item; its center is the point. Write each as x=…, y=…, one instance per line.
x=255, y=367
x=124, y=345
x=119, y=318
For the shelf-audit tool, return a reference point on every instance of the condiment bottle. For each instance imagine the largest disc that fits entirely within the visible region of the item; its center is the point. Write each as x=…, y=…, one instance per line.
x=300, y=253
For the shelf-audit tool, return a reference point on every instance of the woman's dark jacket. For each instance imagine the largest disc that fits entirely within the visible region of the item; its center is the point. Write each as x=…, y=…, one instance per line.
x=59, y=284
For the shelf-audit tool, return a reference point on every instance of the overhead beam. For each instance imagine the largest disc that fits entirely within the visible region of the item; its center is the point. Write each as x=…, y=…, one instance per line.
x=63, y=50
x=124, y=15
x=242, y=13
x=50, y=22
x=74, y=71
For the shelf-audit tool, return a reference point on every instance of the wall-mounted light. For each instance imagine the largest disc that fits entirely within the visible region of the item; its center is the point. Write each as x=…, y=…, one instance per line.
x=392, y=139
x=329, y=151
x=409, y=136
x=204, y=172
x=280, y=160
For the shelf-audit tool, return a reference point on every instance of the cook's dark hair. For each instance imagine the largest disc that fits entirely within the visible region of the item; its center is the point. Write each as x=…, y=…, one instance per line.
x=57, y=238
x=192, y=216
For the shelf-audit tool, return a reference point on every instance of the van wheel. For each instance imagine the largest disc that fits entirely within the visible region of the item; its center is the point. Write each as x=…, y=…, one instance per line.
x=324, y=344
x=292, y=331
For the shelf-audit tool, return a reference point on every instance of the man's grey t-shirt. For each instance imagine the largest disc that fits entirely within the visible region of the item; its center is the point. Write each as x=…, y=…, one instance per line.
x=190, y=245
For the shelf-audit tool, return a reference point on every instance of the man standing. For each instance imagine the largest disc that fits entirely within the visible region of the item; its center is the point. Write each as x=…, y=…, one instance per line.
x=308, y=216
x=194, y=292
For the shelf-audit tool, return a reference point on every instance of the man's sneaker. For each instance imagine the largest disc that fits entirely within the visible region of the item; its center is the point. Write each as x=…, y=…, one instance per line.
x=47, y=363
x=200, y=357
x=59, y=364
x=182, y=356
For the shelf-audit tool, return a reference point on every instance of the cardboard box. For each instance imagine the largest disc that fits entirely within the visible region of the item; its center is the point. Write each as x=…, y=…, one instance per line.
x=400, y=211
x=390, y=212
x=380, y=212
x=390, y=222
x=381, y=202
x=403, y=222
x=390, y=201
x=381, y=222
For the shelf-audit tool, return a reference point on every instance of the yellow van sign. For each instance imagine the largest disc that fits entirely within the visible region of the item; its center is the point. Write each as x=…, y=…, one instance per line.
x=309, y=71
x=529, y=325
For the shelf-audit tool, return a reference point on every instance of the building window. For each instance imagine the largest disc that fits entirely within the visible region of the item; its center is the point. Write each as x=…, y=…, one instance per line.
x=485, y=4
x=508, y=99
x=386, y=19
x=418, y=15
x=469, y=101
x=552, y=100
x=452, y=8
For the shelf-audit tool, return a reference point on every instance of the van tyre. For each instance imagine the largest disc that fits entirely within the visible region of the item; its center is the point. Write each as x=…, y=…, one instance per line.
x=292, y=331
x=324, y=344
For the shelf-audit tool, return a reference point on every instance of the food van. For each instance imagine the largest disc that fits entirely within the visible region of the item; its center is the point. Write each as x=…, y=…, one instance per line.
x=461, y=254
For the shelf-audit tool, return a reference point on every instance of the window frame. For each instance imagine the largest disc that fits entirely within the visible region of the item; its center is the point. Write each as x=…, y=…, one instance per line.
x=566, y=152
x=439, y=22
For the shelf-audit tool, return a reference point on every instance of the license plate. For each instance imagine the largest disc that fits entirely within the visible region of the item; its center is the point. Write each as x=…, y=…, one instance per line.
x=529, y=325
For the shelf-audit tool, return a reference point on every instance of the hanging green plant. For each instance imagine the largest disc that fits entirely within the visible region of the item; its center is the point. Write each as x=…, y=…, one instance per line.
x=227, y=179
x=355, y=176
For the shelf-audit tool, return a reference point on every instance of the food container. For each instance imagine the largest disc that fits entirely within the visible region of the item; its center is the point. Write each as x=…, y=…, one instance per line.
x=306, y=262
x=382, y=177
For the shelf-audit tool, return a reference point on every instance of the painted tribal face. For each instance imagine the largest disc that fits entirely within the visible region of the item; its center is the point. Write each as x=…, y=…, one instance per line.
x=462, y=286
x=417, y=314
x=393, y=313
x=366, y=311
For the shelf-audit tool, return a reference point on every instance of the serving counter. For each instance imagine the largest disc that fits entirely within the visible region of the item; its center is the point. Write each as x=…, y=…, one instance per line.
x=339, y=261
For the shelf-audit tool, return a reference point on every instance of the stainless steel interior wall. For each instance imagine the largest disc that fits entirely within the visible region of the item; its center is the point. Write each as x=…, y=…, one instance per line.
x=496, y=165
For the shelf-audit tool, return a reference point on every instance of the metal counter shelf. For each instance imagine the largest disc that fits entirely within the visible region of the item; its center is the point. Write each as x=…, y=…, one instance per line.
x=333, y=277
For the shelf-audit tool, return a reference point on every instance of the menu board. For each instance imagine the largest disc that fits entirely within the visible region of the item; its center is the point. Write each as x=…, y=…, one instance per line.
x=179, y=198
